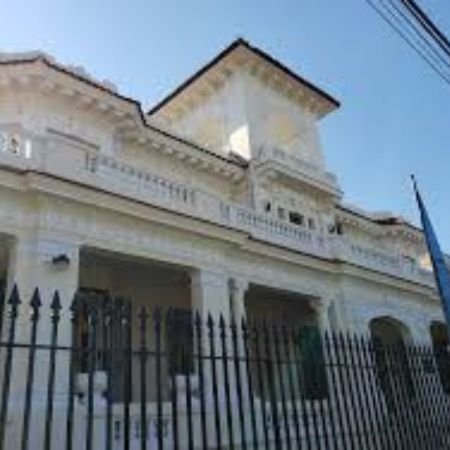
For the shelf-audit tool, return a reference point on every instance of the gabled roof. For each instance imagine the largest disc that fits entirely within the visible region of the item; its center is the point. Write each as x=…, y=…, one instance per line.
x=257, y=52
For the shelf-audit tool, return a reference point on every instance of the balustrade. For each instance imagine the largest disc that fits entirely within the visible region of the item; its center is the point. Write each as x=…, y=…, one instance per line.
x=119, y=176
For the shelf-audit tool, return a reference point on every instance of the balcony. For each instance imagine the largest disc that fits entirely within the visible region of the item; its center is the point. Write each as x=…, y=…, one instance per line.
x=297, y=169
x=118, y=176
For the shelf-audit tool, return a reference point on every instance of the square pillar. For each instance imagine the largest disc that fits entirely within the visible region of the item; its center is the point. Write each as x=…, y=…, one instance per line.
x=238, y=288
x=210, y=294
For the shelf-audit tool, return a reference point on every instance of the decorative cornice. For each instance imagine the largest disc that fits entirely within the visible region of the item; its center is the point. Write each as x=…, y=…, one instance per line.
x=258, y=63
x=43, y=75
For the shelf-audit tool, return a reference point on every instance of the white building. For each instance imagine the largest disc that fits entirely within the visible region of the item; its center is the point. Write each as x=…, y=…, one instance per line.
x=218, y=199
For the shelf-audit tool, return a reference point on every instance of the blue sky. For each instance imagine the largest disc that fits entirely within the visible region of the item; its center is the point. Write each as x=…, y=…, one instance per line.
x=395, y=114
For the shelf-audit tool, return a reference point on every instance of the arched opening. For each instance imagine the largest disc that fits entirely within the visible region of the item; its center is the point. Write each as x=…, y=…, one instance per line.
x=439, y=337
x=301, y=353
x=389, y=338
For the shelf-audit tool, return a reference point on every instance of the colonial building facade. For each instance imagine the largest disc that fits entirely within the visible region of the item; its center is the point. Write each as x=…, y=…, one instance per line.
x=217, y=200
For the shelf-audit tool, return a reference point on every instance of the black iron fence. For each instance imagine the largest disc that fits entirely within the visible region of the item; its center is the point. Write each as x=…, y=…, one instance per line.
x=107, y=375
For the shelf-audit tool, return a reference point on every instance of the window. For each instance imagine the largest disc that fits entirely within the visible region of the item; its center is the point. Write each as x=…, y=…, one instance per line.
x=439, y=336
x=296, y=218
x=281, y=213
x=303, y=352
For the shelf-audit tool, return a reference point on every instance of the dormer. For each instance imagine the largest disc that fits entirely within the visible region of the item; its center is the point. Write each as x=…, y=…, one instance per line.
x=244, y=102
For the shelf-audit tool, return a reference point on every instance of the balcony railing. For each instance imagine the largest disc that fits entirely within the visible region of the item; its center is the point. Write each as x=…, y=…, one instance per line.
x=291, y=161
x=124, y=178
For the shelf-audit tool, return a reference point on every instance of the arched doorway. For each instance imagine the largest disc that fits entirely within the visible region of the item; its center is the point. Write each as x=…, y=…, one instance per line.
x=439, y=337
x=389, y=338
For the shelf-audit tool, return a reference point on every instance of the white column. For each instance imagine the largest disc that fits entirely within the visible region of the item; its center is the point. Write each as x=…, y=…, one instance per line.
x=210, y=293
x=321, y=308
x=211, y=296
x=238, y=288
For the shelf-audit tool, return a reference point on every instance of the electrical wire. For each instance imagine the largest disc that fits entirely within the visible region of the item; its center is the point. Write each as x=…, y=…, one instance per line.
x=428, y=25
x=426, y=45
x=409, y=41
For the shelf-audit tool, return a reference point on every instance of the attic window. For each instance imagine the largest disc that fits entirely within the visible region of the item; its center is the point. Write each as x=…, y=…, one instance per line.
x=296, y=218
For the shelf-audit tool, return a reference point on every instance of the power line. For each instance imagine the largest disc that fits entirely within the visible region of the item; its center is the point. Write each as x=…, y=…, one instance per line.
x=411, y=43
x=427, y=46
x=428, y=25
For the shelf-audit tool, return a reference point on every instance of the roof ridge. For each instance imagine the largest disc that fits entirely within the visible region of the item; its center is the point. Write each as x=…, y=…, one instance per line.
x=222, y=54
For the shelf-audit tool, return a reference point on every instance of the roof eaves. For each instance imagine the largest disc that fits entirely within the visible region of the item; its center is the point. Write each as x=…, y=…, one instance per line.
x=381, y=222
x=235, y=44
x=42, y=58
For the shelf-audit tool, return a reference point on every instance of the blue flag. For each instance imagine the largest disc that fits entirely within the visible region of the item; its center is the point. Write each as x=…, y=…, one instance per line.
x=441, y=273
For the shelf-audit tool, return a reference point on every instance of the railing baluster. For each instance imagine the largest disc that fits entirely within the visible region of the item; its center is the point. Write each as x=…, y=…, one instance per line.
x=276, y=337
x=320, y=371
x=429, y=440
x=272, y=388
x=366, y=397
x=127, y=367
x=56, y=308
x=295, y=334
x=382, y=436
x=360, y=403
x=225, y=362
x=350, y=384
x=289, y=363
x=187, y=378
x=260, y=371
x=143, y=317
x=440, y=406
x=441, y=400
x=408, y=385
x=215, y=391
x=157, y=318
x=76, y=311
x=91, y=357
x=2, y=308
x=200, y=367
x=392, y=399
x=238, y=381
x=310, y=381
x=35, y=304
x=335, y=403
x=440, y=409
x=375, y=355
x=108, y=317
x=250, y=387
x=13, y=302
x=337, y=345
x=171, y=328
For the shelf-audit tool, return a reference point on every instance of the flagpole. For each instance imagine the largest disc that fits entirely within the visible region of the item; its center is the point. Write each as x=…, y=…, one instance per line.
x=440, y=270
